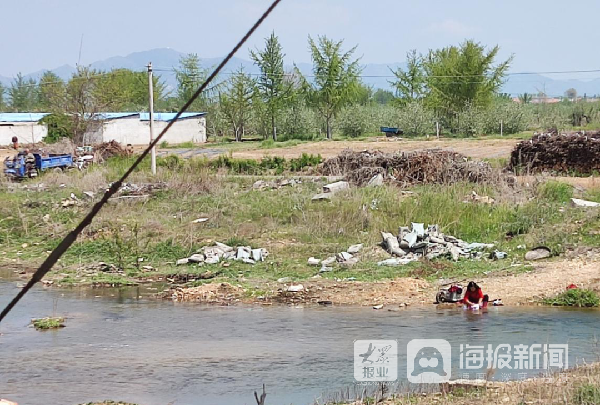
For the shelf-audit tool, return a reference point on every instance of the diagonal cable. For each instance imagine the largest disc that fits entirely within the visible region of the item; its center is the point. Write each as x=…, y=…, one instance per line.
x=68, y=240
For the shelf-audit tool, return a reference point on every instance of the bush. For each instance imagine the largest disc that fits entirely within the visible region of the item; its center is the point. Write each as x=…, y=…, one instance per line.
x=471, y=121
x=59, y=126
x=48, y=323
x=355, y=121
x=575, y=297
x=415, y=119
x=587, y=394
x=297, y=122
x=171, y=162
x=515, y=118
x=297, y=164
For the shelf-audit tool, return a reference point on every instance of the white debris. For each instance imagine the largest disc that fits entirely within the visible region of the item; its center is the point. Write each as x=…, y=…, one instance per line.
x=397, y=261
x=329, y=261
x=313, y=261
x=335, y=187
x=182, y=261
x=199, y=220
x=378, y=306
x=376, y=181
x=219, y=252
x=295, y=288
x=583, y=203
x=355, y=248
x=343, y=256
x=196, y=258
x=212, y=260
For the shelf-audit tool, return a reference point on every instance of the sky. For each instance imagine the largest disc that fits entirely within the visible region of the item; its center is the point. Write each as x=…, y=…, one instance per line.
x=542, y=35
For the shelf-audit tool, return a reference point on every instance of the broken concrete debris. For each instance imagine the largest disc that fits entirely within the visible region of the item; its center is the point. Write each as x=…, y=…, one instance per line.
x=313, y=261
x=220, y=251
x=583, y=203
x=279, y=183
x=330, y=189
x=354, y=249
x=416, y=242
x=343, y=259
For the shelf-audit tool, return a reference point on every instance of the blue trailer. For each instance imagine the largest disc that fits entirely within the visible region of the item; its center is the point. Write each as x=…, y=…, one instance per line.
x=21, y=167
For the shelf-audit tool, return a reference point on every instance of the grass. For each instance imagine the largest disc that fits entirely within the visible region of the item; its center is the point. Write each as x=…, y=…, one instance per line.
x=575, y=298
x=48, y=323
x=284, y=221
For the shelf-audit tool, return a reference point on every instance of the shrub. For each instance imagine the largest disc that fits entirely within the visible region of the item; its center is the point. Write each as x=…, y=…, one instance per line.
x=471, y=121
x=355, y=121
x=415, y=119
x=515, y=118
x=306, y=160
x=48, y=323
x=587, y=394
x=575, y=297
x=171, y=162
x=59, y=126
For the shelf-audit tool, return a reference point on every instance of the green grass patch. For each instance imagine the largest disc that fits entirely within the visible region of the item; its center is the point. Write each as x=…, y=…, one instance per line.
x=48, y=323
x=555, y=191
x=587, y=394
x=575, y=297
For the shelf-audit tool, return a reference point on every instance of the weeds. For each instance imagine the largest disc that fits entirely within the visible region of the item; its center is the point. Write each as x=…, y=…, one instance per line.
x=48, y=323
x=587, y=394
x=575, y=297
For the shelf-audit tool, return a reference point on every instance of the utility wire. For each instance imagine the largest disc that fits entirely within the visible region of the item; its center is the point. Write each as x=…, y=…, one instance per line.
x=46, y=266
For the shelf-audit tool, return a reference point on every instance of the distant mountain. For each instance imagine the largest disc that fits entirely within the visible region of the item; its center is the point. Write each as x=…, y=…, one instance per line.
x=165, y=60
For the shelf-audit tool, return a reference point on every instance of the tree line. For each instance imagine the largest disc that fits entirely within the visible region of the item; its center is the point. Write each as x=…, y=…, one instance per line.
x=456, y=88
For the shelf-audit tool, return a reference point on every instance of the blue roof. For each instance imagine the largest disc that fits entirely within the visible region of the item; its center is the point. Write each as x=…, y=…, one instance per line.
x=168, y=117
x=114, y=115
x=21, y=117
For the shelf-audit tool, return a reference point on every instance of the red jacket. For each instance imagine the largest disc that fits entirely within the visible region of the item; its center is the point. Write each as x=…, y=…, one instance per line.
x=474, y=296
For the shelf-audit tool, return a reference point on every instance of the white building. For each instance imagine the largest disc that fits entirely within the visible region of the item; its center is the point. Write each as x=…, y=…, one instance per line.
x=25, y=126
x=134, y=128
x=125, y=128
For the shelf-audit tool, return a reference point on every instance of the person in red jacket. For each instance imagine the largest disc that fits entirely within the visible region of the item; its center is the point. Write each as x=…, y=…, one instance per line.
x=474, y=296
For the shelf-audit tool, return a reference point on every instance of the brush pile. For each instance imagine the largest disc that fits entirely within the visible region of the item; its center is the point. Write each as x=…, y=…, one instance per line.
x=562, y=153
x=406, y=169
x=107, y=150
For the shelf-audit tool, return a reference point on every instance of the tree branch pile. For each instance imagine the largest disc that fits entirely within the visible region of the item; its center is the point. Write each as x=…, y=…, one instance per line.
x=406, y=169
x=565, y=153
x=106, y=150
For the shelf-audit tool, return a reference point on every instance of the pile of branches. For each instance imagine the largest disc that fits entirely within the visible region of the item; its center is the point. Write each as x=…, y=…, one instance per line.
x=106, y=150
x=432, y=166
x=565, y=153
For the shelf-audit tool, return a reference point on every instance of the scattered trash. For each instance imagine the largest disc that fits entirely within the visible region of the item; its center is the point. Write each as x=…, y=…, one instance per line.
x=405, y=169
x=313, y=261
x=295, y=288
x=583, y=203
x=540, y=252
x=89, y=194
x=378, y=306
x=132, y=189
x=330, y=189
x=354, y=249
x=220, y=251
x=476, y=198
x=416, y=242
x=572, y=287
x=199, y=220
x=279, y=183
x=497, y=255
x=497, y=302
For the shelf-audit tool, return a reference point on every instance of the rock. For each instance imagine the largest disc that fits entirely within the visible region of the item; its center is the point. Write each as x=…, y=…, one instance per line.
x=284, y=280
x=349, y=263
x=199, y=220
x=225, y=248
x=336, y=187
x=378, y=306
x=439, y=241
x=402, y=305
x=325, y=269
x=410, y=239
x=455, y=252
x=196, y=258
x=419, y=229
x=212, y=260
x=343, y=257
x=322, y=197
x=257, y=255
x=376, y=181
x=242, y=254
x=497, y=255
x=182, y=261
x=391, y=244
x=89, y=194
x=260, y=184
x=355, y=248
x=538, y=253
x=313, y=261
x=295, y=288
x=329, y=261
x=583, y=203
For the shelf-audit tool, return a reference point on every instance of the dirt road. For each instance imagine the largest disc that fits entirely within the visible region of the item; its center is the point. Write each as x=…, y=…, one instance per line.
x=475, y=148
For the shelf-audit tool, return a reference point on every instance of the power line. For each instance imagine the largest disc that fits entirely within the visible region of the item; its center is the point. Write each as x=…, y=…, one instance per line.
x=68, y=240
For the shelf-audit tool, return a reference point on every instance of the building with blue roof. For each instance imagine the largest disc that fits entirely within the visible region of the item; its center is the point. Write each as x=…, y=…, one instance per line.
x=124, y=127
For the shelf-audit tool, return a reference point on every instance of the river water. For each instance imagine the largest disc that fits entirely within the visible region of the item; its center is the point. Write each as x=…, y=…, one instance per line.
x=119, y=346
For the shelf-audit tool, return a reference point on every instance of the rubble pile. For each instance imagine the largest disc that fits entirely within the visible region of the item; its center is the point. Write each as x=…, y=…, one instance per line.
x=132, y=189
x=416, y=242
x=107, y=150
x=565, y=153
x=221, y=293
x=276, y=184
x=345, y=259
x=406, y=169
x=220, y=252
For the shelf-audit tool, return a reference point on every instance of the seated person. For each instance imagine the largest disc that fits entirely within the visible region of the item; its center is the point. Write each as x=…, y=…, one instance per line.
x=474, y=296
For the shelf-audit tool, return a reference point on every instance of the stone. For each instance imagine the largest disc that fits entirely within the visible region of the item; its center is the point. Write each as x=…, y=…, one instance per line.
x=329, y=261
x=410, y=239
x=538, y=253
x=242, y=254
x=257, y=255
x=199, y=220
x=396, y=261
x=349, y=263
x=376, y=181
x=391, y=244
x=355, y=248
x=295, y=288
x=212, y=260
x=284, y=280
x=343, y=257
x=182, y=261
x=336, y=187
x=419, y=229
x=225, y=248
x=313, y=261
x=378, y=306
x=322, y=197
x=455, y=252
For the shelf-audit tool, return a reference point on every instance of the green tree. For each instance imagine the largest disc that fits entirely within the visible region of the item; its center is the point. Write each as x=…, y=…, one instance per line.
x=22, y=94
x=236, y=102
x=335, y=82
x=272, y=85
x=525, y=98
x=126, y=90
x=81, y=103
x=383, y=97
x=2, y=99
x=410, y=83
x=190, y=75
x=51, y=92
x=457, y=77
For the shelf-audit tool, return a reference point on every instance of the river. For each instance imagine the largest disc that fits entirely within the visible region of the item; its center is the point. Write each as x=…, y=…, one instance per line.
x=122, y=345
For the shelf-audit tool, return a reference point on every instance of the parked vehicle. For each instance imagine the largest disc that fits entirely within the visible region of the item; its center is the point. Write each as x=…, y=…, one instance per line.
x=450, y=294
x=24, y=166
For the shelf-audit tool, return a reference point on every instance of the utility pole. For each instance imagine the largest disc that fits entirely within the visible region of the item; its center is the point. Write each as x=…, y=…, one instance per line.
x=151, y=98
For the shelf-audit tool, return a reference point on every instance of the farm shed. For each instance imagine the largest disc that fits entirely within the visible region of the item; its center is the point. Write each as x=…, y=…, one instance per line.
x=25, y=126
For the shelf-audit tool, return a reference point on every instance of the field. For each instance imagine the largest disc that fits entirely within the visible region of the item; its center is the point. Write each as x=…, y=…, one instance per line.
x=139, y=238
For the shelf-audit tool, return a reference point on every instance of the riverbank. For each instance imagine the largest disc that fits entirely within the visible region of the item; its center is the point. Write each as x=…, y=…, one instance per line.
x=158, y=220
